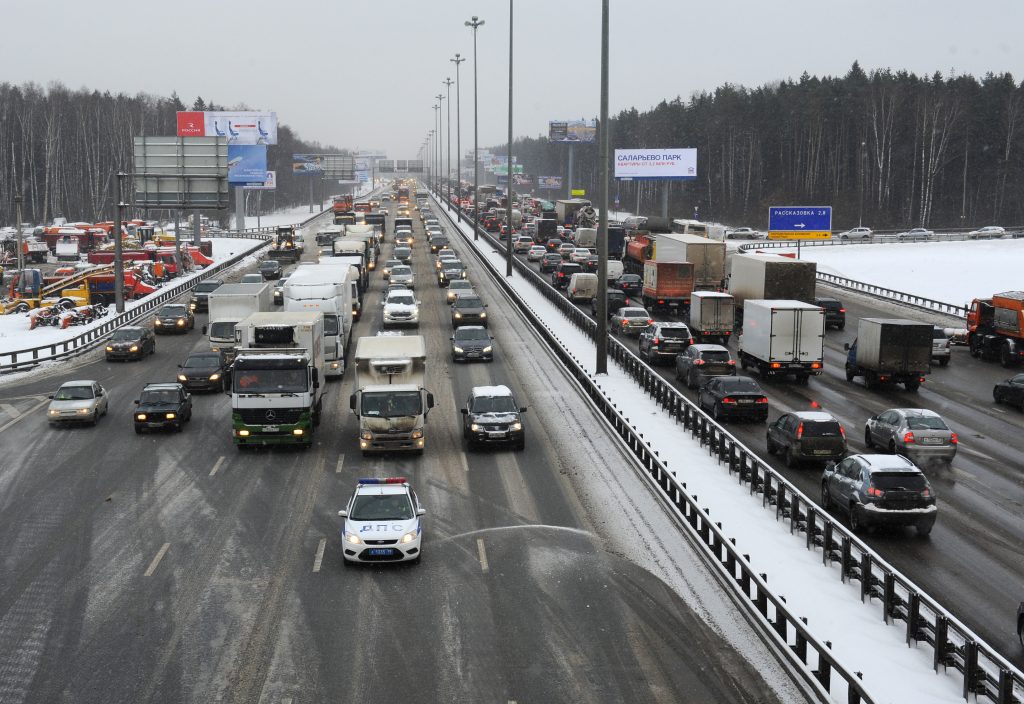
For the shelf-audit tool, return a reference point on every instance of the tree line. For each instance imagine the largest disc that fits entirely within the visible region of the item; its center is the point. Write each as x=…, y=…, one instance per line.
x=890, y=148
x=60, y=150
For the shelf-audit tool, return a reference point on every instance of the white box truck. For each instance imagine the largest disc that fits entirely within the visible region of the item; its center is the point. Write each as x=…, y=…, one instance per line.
x=771, y=277
x=390, y=402
x=326, y=289
x=229, y=304
x=276, y=379
x=783, y=337
x=712, y=316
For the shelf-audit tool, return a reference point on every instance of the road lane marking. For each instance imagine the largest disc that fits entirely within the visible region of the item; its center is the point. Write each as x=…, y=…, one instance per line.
x=341, y=463
x=483, y=555
x=216, y=466
x=318, y=560
x=11, y=422
x=10, y=410
x=156, y=560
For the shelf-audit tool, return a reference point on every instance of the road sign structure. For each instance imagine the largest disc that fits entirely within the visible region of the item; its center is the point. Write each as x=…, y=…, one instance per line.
x=800, y=222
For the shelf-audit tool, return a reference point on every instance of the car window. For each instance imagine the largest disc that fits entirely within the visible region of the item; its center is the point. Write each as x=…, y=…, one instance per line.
x=381, y=507
x=404, y=299
x=1019, y=379
x=844, y=466
x=401, y=270
x=126, y=335
x=471, y=334
x=162, y=396
x=172, y=311
x=890, y=418
x=633, y=313
x=74, y=393
x=821, y=429
x=468, y=302
x=715, y=355
x=926, y=423
x=888, y=481
x=739, y=385
x=938, y=334
x=675, y=333
x=494, y=404
x=202, y=362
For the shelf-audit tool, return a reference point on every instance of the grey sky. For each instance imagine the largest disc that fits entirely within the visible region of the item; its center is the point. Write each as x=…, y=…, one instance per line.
x=356, y=73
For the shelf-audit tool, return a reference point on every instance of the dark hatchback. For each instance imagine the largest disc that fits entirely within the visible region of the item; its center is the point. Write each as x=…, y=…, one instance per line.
x=130, y=343
x=835, y=313
x=733, y=397
x=200, y=302
x=162, y=406
x=563, y=272
x=471, y=342
x=271, y=269
x=616, y=299
x=176, y=318
x=631, y=284
x=550, y=261
x=1010, y=391
x=203, y=371
x=807, y=436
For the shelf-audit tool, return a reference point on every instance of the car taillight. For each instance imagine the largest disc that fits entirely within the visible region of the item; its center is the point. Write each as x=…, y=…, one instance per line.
x=763, y=399
x=875, y=491
x=842, y=431
x=729, y=399
x=625, y=323
x=698, y=362
x=908, y=438
x=776, y=365
x=561, y=274
x=842, y=310
x=691, y=340
x=656, y=341
x=926, y=493
x=732, y=362
x=650, y=321
x=953, y=440
x=799, y=431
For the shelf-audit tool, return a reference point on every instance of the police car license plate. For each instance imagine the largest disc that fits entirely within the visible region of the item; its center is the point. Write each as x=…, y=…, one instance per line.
x=381, y=552
x=271, y=428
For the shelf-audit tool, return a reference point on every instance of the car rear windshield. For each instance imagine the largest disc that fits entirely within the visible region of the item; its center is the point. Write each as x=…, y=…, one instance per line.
x=740, y=385
x=715, y=355
x=634, y=313
x=939, y=334
x=821, y=428
x=926, y=423
x=898, y=480
x=569, y=268
x=675, y=333
x=207, y=286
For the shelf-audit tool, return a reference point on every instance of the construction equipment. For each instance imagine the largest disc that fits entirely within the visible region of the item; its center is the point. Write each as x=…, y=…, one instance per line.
x=995, y=327
x=284, y=247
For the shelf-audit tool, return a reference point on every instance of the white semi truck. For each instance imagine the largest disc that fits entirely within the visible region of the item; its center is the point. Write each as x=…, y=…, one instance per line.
x=326, y=289
x=277, y=379
x=229, y=304
x=390, y=402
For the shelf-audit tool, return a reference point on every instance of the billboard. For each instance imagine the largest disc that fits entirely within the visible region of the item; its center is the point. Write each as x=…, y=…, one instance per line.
x=238, y=127
x=549, y=183
x=180, y=172
x=677, y=164
x=575, y=131
x=307, y=164
x=247, y=163
x=339, y=166
x=269, y=184
x=522, y=180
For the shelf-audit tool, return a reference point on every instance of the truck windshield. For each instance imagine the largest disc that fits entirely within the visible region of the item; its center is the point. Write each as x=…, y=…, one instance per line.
x=222, y=330
x=377, y=507
x=269, y=381
x=391, y=404
x=330, y=324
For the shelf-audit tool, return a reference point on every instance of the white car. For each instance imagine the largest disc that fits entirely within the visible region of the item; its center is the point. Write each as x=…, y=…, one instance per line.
x=388, y=266
x=523, y=243
x=991, y=231
x=457, y=288
x=77, y=402
x=536, y=253
x=743, y=233
x=402, y=274
x=383, y=522
x=401, y=308
x=918, y=233
x=580, y=255
x=857, y=233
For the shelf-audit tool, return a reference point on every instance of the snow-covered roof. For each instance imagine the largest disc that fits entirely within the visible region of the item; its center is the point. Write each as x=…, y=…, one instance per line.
x=500, y=390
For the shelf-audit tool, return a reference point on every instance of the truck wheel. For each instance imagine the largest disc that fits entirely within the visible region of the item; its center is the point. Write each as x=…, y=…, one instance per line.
x=1005, y=356
x=912, y=385
x=974, y=348
x=944, y=362
x=743, y=362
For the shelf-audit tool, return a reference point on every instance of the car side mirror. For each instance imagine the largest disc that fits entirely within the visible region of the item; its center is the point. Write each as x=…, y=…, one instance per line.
x=421, y=512
x=50, y=396
x=136, y=402
x=204, y=330
x=343, y=513
x=430, y=400
x=846, y=346
x=352, y=402
x=522, y=409
x=465, y=411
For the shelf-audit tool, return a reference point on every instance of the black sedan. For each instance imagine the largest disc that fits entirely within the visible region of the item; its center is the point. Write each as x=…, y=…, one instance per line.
x=472, y=342
x=631, y=284
x=1010, y=392
x=203, y=371
x=728, y=397
x=162, y=406
x=468, y=310
x=271, y=269
x=177, y=318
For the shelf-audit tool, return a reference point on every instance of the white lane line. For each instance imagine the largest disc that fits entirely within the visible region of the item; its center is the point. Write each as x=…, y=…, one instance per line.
x=11, y=422
x=156, y=560
x=10, y=410
x=483, y=555
x=318, y=560
x=217, y=464
x=286, y=700
x=340, y=465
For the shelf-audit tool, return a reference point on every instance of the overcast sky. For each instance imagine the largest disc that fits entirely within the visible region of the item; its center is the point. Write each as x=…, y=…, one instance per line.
x=362, y=74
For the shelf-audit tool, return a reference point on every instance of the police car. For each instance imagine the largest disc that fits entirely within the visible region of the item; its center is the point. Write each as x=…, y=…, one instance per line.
x=382, y=522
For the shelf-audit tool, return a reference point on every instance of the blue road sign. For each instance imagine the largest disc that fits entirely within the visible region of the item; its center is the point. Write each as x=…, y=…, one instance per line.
x=800, y=218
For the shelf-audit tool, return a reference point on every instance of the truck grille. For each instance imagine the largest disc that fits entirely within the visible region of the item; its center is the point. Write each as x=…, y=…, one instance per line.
x=279, y=416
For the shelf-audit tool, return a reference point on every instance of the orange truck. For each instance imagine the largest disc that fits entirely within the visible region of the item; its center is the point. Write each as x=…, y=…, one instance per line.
x=667, y=285
x=995, y=328
x=342, y=204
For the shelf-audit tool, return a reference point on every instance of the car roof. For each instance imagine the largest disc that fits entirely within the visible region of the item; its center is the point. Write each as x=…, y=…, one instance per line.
x=709, y=348
x=815, y=416
x=383, y=489
x=78, y=382
x=162, y=386
x=915, y=412
x=499, y=390
x=887, y=463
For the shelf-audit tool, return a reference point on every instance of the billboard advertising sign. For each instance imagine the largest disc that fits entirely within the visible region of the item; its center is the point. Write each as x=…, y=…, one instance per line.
x=307, y=164
x=522, y=180
x=269, y=184
x=549, y=183
x=575, y=131
x=247, y=163
x=237, y=127
x=677, y=164
x=180, y=172
x=339, y=166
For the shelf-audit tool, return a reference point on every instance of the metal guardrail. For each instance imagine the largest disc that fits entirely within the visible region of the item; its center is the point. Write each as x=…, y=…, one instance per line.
x=985, y=673
x=25, y=358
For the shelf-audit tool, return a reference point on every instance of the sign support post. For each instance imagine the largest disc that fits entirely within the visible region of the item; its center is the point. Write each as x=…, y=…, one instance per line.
x=118, y=247
x=239, y=209
x=568, y=184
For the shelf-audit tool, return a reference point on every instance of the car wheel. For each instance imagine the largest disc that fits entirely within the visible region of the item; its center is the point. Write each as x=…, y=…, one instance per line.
x=791, y=459
x=924, y=529
x=772, y=447
x=856, y=523
x=944, y=361
x=849, y=374
x=868, y=442
x=841, y=326
x=138, y=430
x=826, y=499
x=996, y=396
x=892, y=447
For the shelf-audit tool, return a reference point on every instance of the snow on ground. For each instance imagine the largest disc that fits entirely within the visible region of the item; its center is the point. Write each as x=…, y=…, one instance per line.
x=892, y=671
x=950, y=272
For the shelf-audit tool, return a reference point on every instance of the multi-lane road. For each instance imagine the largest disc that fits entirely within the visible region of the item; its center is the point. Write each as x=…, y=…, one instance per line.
x=172, y=568
x=973, y=562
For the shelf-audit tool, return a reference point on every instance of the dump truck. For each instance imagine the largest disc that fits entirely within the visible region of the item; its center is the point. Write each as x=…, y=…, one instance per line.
x=890, y=351
x=712, y=316
x=390, y=403
x=783, y=337
x=995, y=328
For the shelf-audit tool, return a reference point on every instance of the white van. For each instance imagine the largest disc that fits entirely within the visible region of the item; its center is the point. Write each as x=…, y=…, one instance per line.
x=582, y=287
x=614, y=269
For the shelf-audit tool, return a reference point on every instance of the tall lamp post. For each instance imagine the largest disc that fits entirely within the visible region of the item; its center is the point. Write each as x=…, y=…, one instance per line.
x=17, y=223
x=458, y=130
x=508, y=244
x=601, y=363
x=475, y=23
x=860, y=214
x=448, y=165
x=440, y=122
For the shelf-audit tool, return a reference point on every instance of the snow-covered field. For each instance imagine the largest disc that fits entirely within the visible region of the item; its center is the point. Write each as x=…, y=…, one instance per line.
x=892, y=671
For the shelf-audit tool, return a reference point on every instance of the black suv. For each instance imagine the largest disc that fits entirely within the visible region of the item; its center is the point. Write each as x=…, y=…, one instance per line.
x=203, y=371
x=631, y=284
x=491, y=417
x=162, y=406
x=201, y=293
x=699, y=362
x=880, y=490
x=438, y=242
x=563, y=272
x=835, y=314
x=807, y=435
x=175, y=317
x=663, y=341
x=468, y=310
x=130, y=343
x=616, y=299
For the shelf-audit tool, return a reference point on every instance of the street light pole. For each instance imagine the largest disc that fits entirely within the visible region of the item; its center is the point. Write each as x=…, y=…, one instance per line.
x=860, y=216
x=458, y=130
x=448, y=166
x=601, y=363
x=437, y=145
x=17, y=223
x=475, y=23
x=508, y=244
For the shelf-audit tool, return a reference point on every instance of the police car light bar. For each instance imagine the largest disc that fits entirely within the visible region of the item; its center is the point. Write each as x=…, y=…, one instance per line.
x=386, y=480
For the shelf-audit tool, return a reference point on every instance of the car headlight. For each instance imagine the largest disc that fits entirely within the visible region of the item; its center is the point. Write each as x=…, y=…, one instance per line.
x=474, y=427
x=458, y=350
x=483, y=315
x=140, y=416
x=487, y=349
x=458, y=315
x=180, y=322
x=182, y=377
x=157, y=323
x=517, y=426
x=416, y=434
x=84, y=411
x=352, y=538
x=109, y=348
x=171, y=416
x=54, y=412
x=366, y=435
x=192, y=305
x=133, y=348
x=213, y=377
x=409, y=537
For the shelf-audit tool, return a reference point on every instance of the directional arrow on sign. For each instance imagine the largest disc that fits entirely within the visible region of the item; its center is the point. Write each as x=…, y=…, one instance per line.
x=799, y=224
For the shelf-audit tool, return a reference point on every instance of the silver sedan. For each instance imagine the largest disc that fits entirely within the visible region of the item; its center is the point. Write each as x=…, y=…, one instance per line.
x=77, y=402
x=918, y=434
